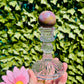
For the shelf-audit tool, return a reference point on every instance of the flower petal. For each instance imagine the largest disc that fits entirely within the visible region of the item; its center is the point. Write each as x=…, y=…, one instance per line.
x=10, y=76
x=5, y=78
x=21, y=78
x=2, y=83
x=16, y=72
x=25, y=73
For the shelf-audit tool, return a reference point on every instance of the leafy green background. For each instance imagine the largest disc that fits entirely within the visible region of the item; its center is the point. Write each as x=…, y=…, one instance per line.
x=20, y=38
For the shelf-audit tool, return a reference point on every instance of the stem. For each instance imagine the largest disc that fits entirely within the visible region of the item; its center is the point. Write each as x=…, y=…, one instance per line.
x=47, y=38
x=47, y=56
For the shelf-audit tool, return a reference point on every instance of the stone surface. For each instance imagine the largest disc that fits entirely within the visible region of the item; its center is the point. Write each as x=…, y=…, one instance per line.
x=47, y=18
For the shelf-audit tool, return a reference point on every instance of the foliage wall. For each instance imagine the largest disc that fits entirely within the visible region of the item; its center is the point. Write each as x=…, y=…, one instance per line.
x=20, y=38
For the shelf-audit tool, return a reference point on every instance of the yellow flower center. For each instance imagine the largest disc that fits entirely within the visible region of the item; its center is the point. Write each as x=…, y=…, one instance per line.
x=19, y=82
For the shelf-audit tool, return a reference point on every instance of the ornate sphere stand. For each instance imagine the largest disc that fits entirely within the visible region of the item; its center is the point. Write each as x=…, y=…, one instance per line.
x=47, y=68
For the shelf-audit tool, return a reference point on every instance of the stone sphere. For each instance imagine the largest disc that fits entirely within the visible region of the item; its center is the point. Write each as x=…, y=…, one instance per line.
x=47, y=18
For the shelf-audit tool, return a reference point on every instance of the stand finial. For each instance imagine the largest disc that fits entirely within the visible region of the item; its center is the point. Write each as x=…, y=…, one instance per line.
x=47, y=19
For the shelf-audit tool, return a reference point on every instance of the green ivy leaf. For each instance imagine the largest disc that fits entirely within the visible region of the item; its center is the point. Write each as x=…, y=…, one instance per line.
x=32, y=19
x=7, y=8
x=2, y=59
x=24, y=18
x=79, y=61
x=44, y=2
x=60, y=36
x=10, y=16
x=73, y=68
x=4, y=51
x=17, y=35
x=36, y=6
x=74, y=46
x=71, y=11
x=29, y=36
x=80, y=0
x=71, y=20
x=26, y=63
x=71, y=35
x=8, y=25
x=2, y=4
x=2, y=32
x=13, y=39
x=23, y=39
x=15, y=52
x=19, y=59
x=77, y=31
x=53, y=1
x=35, y=58
x=10, y=50
x=59, y=19
x=33, y=51
x=2, y=19
x=25, y=52
x=30, y=15
x=79, y=72
x=58, y=46
x=9, y=58
x=7, y=65
x=82, y=44
x=17, y=7
x=15, y=63
x=27, y=58
x=79, y=78
x=27, y=13
x=30, y=1
x=3, y=40
x=65, y=1
x=10, y=32
x=64, y=29
x=66, y=16
x=71, y=78
x=80, y=54
x=71, y=73
x=32, y=25
x=66, y=60
x=81, y=10
x=13, y=3
x=4, y=35
x=36, y=34
x=73, y=26
x=82, y=27
x=20, y=23
x=37, y=48
x=25, y=45
x=72, y=56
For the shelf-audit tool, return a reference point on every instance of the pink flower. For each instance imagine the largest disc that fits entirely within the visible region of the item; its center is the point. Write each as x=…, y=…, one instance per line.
x=2, y=83
x=16, y=77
